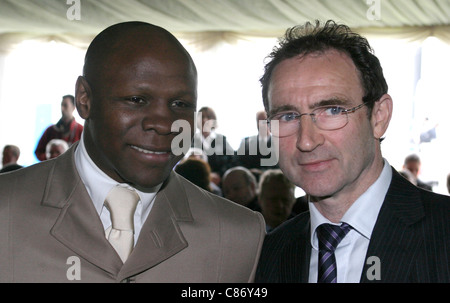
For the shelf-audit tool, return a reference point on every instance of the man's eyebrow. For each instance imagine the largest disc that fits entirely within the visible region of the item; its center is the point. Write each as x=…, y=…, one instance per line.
x=330, y=101
x=334, y=101
x=282, y=108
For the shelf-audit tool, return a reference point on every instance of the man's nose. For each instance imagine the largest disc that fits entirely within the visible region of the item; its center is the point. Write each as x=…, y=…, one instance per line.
x=157, y=118
x=308, y=135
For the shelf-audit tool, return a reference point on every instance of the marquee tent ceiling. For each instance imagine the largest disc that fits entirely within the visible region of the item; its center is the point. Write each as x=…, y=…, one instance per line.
x=23, y=19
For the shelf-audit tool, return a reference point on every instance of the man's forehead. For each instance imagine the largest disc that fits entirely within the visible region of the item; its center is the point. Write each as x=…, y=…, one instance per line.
x=128, y=41
x=320, y=77
x=327, y=62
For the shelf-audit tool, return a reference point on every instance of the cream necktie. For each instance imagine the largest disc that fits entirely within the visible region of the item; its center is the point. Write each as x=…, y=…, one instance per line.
x=121, y=203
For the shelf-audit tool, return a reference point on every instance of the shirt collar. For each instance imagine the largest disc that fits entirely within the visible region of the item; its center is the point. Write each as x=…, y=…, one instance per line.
x=98, y=184
x=363, y=213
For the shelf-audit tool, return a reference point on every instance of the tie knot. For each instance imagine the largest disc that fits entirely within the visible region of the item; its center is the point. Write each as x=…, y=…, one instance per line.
x=330, y=235
x=121, y=203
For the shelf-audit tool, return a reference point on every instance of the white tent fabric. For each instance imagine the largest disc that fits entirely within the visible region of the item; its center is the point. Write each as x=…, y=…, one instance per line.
x=208, y=21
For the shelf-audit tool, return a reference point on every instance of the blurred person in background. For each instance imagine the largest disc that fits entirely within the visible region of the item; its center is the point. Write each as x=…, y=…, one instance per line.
x=55, y=148
x=219, y=152
x=276, y=197
x=10, y=157
x=66, y=128
x=412, y=163
x=239, y=185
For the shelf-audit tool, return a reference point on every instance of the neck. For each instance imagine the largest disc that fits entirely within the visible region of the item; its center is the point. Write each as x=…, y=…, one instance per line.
x=331, y=209
x=67, y=119
x=335, y=206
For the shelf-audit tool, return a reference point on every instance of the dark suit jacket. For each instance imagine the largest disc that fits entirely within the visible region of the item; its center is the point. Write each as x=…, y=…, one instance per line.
x=50, y=231
x=411, y=238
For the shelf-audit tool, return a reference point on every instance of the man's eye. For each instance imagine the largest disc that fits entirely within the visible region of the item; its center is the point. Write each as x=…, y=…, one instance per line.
x=136, y=99
x=181, y=104
x=332, y=110
x=286, y=117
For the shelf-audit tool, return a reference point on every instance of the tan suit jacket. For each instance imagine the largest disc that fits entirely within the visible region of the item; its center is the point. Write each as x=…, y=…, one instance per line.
x=51, y=232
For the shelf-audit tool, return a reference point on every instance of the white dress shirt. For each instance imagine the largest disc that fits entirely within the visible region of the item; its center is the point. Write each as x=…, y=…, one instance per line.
x=362, y=215
x=98, y=185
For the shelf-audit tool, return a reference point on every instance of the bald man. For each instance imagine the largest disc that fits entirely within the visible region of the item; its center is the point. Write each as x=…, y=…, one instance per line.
x=54, y=226
x=10, y=156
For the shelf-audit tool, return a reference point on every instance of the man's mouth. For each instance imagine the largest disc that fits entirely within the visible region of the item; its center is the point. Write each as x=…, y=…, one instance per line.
x=146, y=151
x=317, y=165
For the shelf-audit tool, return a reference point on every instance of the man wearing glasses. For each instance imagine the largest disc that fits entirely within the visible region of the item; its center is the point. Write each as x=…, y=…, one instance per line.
x=328, y=109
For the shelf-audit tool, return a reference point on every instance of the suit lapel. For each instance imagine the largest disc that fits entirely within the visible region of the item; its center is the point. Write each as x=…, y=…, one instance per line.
x=297, y=253
x=394, y=238
x=160, y=237
x=78, y=226
x=304, y=253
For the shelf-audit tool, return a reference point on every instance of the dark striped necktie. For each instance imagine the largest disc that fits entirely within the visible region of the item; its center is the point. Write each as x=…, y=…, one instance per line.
x=329, y=237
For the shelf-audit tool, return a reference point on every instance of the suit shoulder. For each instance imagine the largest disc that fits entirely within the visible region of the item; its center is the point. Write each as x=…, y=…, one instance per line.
x=436, y=208
x=434, y=202
x=232, y=225
x=412, y=203
x=35, y=173
x=225, y=208
x=23, y=187
x=429, y=196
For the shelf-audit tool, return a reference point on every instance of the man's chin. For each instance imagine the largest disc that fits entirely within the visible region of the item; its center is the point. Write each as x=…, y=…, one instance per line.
x=318, y=191
x=149, y=183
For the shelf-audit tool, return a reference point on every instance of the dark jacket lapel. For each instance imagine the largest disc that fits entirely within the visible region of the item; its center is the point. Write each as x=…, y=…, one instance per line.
x=394, y=239
x=304, y=252
x=286, y=253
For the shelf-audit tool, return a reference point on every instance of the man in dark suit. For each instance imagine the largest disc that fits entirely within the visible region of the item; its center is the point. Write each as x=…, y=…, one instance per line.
x=255, y=151
x=59, y=220
x=10, y=156
x=327, y=103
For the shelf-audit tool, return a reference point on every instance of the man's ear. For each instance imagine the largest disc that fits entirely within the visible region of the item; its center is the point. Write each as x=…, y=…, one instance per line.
x=83, y=97
x=381, y=115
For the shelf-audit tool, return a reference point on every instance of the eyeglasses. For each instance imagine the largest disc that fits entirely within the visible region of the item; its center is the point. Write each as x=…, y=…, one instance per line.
x=331, y=117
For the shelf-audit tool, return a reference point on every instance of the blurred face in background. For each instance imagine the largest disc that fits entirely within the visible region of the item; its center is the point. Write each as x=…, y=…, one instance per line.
x=55, y=151
x=206, y=121
x=237, y=188
x=67, y=108
x=413, y=167
x=276, y=200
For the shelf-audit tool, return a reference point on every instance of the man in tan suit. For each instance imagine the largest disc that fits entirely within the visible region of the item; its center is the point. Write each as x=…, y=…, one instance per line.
x=137, y=80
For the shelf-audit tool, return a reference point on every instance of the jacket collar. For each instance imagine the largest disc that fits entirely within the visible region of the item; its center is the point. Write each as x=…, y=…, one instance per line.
x=395, y=239
x=79, y=227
